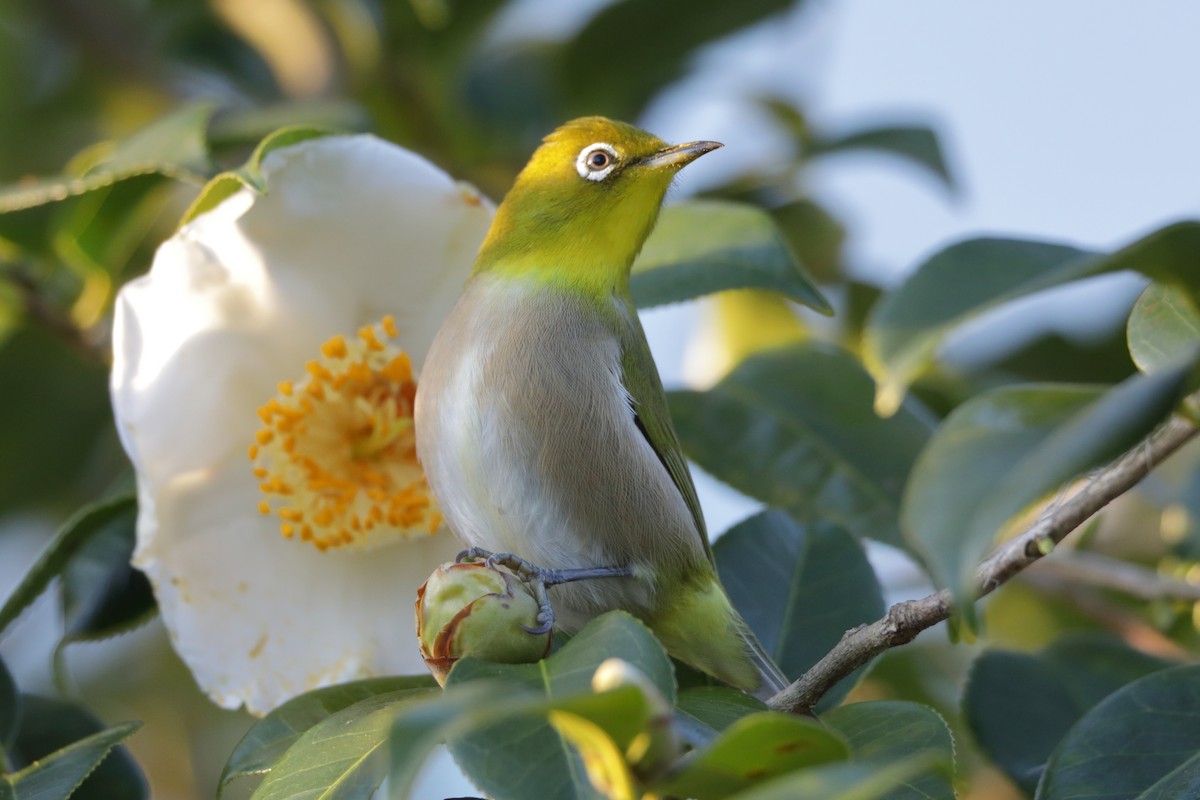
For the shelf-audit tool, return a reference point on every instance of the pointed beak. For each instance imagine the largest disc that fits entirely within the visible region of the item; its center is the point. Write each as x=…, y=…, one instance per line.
x=678, y=156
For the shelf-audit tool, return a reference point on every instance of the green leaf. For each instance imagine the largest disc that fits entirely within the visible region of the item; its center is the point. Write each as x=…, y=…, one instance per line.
x=778, y=571
x=487, y=754
x=858, y=780
x=815, y=236
x=1004, y=450
x=794, y=428
x=709, y=246
x=1142, y=742
x=917, y=144
x=893, y=732
x=342, y=757
x=173, y=146
x=1020, y=706
x=65, y=418
x=60, y=745
x=643, y=45
x=70, y=539
x=906, y=328
x=249, y=175
x=103, y=595
x=754, y=749
x=705, y=711
x=10, y=709
x=270, y=737
x=1164, y=326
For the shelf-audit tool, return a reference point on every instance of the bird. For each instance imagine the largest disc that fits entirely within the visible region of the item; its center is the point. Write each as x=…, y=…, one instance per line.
x=540, y=418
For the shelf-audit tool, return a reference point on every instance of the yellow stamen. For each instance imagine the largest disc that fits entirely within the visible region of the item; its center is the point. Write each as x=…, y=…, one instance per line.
x=336, y=456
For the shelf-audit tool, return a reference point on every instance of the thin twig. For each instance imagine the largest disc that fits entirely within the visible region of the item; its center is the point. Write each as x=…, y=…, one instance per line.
x=904, y=621
x=1106, y=572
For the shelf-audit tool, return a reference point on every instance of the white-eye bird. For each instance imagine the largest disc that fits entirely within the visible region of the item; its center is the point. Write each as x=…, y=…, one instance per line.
x=541, y=421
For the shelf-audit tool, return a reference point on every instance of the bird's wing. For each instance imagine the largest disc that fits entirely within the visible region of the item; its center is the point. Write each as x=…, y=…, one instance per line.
x=653, y=418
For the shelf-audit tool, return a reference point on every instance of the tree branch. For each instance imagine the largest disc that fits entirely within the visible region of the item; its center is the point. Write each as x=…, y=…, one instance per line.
x=1106, y=572
x=904, y=621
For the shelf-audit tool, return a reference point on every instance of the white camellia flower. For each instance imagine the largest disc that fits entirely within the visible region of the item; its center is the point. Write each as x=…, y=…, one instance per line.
x=263, y=380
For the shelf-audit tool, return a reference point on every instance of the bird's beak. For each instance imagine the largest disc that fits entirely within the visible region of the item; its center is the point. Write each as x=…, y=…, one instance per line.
x=678, y=156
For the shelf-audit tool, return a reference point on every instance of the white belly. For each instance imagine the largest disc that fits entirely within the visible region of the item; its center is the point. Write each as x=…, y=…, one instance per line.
x=530, y=446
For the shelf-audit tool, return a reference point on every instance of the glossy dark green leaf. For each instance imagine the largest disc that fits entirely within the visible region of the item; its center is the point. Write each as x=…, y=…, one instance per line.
x=110, y=230
x=917, y=144
x=66, y=419
x=642, y=45
x=856, y=780
x=794, y=428
x=103, y=595
x=799, y=587
x=173, y=146
x=342, y=757
x=10, y=708
x=754, y=749
x=1164, y=326
x=709, y=246
x=704, y=711
x=60, y=744
x=88, y=522
x=893, y=732
x=271, y=736
x=1142, y=742
x=1020, y=706
x=487, y=754
x=249, y=175
x=907, y=327
x=1004, y=450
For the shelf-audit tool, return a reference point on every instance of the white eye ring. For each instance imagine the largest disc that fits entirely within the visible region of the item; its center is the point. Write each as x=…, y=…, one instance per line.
x=586, y=164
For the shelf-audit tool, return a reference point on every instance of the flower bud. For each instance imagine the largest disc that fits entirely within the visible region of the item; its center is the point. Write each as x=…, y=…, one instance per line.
x=473, y=608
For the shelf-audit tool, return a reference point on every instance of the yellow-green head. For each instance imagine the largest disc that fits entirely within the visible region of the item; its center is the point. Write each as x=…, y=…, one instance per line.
x=585, y=202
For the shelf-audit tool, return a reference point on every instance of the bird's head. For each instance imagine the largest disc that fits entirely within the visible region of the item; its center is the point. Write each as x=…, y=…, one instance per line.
x=585, y=202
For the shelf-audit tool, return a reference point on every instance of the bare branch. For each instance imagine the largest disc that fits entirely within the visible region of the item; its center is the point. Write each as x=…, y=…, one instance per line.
x=904, y=621
x=1106, y=572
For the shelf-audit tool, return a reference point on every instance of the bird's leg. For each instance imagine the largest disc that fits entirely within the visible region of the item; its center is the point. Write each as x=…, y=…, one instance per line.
x=540, y=578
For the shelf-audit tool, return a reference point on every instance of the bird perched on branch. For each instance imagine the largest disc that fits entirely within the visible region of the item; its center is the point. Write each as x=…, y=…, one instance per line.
x=541, y=421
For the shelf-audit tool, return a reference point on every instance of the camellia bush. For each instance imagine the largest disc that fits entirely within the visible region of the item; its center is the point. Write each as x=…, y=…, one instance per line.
x=236, y=300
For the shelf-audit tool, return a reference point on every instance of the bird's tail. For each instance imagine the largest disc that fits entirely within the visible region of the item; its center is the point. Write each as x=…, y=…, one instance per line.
x=771, y=678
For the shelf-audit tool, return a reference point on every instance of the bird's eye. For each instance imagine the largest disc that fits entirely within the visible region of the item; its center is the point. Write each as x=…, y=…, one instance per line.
x=596, y=161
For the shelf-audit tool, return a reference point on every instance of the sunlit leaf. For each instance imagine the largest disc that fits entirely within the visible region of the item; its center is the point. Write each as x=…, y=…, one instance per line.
x=894, y=732
x=1004, y=450
x=752, y=750
x=709, y=246
x=856, y=780
x=794, y=427
x=778, y=572
x=487, y=754
x=173, y=146
x=603, y=761
x=1142, y=742
x=249, y=175
x=1164, y=326
x=906, y=328
x=342, y=757
x=271, y=736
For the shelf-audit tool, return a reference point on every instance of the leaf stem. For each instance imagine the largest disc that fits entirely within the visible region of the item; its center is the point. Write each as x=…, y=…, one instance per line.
x=903, y=621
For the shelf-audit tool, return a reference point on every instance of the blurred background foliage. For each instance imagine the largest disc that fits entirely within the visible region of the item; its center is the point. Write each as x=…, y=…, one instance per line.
x=114, y=114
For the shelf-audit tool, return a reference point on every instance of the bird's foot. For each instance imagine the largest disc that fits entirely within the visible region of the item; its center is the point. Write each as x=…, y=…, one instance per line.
x=540, y=578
